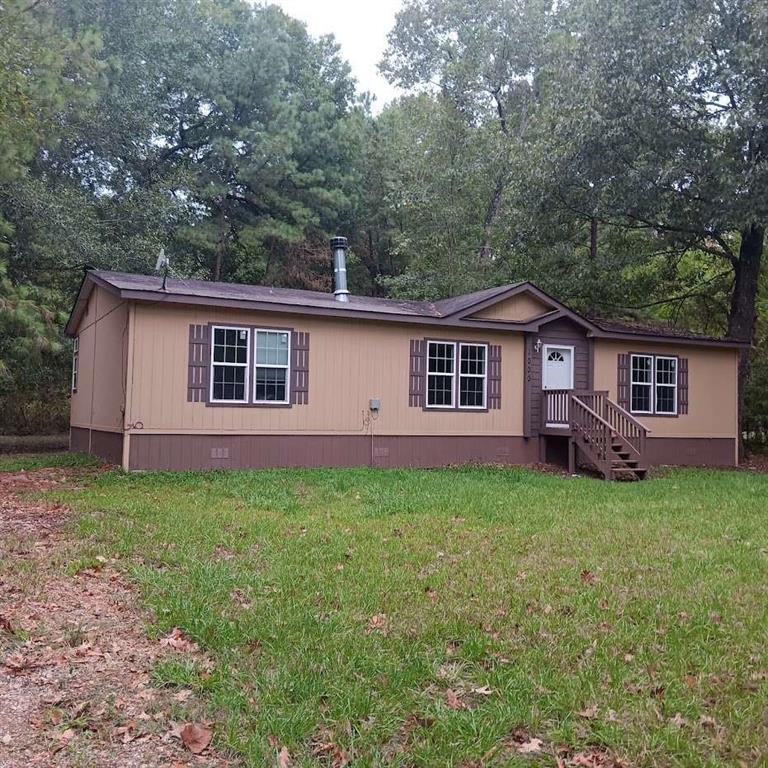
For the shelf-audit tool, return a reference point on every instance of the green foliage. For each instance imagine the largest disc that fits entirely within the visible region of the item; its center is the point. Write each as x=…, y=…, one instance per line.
x=42, y=69
x=34, y=365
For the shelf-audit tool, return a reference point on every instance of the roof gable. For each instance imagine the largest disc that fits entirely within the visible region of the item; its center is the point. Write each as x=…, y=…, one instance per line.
x=519, y=308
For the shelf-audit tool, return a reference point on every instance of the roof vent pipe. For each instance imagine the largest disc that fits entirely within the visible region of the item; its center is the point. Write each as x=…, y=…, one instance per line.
x=339, y=248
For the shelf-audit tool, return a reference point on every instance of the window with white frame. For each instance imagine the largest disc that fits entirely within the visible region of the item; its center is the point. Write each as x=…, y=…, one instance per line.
x=641, y=400
x=229, y=365
x=654, y=385
x=75, y=362
x=472, y=375
x=273, y=353
x=441, y=373
x=666, y=384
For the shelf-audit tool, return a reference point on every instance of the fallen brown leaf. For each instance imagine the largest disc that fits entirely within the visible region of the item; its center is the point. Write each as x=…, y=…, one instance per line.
x=531, y=746
x=588, y=577
x=16, y=663
x=284, y=758
x=453, y=701
x=378, y=623
x=196, y=737
x=678, y=721
x=182, y=695
x=179, y=641
x=590, y=712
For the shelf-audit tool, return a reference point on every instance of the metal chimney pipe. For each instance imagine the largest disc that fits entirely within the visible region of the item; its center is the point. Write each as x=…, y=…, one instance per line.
x=339, y=247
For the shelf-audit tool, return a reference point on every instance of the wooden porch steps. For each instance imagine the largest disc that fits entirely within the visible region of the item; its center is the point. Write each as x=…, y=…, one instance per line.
x=604, y=433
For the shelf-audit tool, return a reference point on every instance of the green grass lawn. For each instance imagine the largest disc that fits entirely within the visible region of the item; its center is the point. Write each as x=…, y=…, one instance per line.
x=438, y=618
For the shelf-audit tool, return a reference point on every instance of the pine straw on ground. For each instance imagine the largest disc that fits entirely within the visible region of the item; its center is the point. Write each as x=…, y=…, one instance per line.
x=75, y=662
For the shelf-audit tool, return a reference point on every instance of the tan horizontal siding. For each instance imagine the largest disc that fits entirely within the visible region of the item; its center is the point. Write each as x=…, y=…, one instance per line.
x=350, y=362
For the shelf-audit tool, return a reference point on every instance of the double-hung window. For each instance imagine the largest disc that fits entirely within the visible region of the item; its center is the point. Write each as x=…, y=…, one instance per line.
x=75, y=362
x=666, y=385
x=230, y=362
x=654, y=385
x=642, y=384
x=456, y=386
x=441, y=374
x=472, y=375
x=273, y=353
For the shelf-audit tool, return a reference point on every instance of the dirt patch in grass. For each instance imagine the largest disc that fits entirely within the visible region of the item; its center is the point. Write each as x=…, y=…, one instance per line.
x=75, y=662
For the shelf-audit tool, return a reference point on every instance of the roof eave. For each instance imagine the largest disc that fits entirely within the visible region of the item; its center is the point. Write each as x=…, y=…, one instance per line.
x=456, y=319
x=345, y=313
x=661, y=339
x=89, y=281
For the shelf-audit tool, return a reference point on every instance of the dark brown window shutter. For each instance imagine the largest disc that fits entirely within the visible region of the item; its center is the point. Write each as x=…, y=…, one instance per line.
x=300, y=367
x=623, y=387
x=198, y=368
x=682, y=385
x=417, y=375
x=494, y=376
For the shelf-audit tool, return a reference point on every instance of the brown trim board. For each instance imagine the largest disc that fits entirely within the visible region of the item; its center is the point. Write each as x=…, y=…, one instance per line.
x=691, y=451
x=105, y=445
x=185, y=452
x=203, y=452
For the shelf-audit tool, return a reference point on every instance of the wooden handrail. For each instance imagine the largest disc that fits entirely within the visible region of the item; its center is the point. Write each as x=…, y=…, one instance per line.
x=631, y=431
x=594, y=413
x=595, y=431
x=606, y=432
x=629, y=416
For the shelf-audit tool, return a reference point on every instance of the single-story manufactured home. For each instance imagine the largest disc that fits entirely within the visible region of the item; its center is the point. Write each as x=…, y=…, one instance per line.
x=188, y=374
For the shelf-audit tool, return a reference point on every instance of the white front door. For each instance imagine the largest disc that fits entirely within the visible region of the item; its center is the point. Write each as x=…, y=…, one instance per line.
x=557, y=367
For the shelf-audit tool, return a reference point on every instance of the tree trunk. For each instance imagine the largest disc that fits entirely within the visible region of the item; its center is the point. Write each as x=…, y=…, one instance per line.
x=743, y=312
x=593, y=239
x=221, y=247
x=490, y=215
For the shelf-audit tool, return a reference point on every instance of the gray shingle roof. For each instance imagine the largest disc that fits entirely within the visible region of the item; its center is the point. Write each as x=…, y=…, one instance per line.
x=647, y=329
x=444, y=311
x=292, y=297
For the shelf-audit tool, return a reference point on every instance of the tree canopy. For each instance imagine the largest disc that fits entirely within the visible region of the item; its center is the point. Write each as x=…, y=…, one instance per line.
x=620, y=164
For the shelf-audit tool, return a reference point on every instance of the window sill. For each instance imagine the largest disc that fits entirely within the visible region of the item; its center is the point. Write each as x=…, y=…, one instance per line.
x=219, y=404
x=455, y=409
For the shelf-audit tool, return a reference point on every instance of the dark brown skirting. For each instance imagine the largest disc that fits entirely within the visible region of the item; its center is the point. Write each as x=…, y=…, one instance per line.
x=692, y=451
x=105, y=445
x=181, y=452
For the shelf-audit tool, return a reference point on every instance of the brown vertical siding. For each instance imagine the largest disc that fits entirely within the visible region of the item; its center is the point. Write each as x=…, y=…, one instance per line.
x=692, y=451
x=180, y=452
x=562, y=332
x=105, y=445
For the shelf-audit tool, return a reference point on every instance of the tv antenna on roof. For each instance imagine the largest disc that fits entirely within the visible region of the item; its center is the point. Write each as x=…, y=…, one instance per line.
x=164, y=263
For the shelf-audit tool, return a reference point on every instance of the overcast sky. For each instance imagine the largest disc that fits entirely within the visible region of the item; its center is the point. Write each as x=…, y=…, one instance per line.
x=360, y=27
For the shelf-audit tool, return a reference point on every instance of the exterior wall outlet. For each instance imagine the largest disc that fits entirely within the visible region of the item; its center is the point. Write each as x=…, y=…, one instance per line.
x=374, y=404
